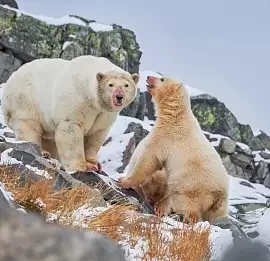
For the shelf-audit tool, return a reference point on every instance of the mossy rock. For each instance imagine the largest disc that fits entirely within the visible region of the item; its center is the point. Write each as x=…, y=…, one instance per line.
x=213, y=116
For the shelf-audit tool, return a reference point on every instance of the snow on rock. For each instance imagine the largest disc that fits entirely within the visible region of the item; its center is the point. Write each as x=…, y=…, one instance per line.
x=257, y=132
x=258, y=157
x=66, y=44
x=97, y=27
x=241, y=194
x=142, y=83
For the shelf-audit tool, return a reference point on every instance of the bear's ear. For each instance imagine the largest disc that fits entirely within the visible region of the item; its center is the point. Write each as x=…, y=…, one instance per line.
x=135, y=77
x=100, y=76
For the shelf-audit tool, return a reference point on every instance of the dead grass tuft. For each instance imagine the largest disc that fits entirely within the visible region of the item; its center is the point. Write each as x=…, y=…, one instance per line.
x=120, y=222
x=40, y=195
x=188, y=243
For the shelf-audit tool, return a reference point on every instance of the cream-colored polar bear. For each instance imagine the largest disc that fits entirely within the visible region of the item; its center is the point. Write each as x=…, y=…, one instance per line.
x=197, y=179
x=67, y=107
x=154, y=186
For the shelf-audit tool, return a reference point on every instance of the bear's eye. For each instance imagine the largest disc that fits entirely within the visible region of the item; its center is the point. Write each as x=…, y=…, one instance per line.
x=111, y=85
x=162, y=79
x=126, y=85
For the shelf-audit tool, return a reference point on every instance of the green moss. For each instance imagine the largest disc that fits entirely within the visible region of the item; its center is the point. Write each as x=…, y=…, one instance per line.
x=211, y=118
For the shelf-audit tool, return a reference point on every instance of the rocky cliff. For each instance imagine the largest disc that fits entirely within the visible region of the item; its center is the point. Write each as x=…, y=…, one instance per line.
x=24, y=38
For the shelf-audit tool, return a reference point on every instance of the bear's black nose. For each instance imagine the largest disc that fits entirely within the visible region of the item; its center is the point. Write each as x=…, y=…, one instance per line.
x=119, y=97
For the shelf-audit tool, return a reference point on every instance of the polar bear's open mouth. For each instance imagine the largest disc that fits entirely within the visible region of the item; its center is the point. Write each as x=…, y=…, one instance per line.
x=150, y=82
x=118, y=100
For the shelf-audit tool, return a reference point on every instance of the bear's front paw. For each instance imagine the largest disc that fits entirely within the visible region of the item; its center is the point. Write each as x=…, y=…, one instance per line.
x=94, y=165
x=83, y=166
x=45, y=154
x=126, y=182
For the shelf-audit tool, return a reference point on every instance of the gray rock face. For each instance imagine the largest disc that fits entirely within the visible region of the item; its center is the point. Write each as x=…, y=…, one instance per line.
x=227, y=146
x=28, y=237
x=215, y=117
x=248, y=251
x=248, y=138
x=8, y=65
x=265, y=140
x=10, y=3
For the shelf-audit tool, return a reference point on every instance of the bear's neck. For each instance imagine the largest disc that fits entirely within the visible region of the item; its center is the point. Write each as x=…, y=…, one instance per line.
x=173, y=112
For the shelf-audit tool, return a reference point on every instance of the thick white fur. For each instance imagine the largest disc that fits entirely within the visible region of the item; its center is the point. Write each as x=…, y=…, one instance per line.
x=55, y=103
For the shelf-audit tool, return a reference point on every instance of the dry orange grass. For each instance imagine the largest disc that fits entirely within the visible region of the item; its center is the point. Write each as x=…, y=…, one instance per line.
x=189, y=243
x=41, y=196
x=120, y=222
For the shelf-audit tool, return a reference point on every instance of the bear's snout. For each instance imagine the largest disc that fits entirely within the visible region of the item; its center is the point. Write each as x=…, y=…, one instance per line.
x=150, y=80
x=119, y=97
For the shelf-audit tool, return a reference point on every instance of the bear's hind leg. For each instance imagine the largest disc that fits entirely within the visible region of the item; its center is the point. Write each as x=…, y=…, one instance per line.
x=30, y=131
x=190, y=208
x=219, y=209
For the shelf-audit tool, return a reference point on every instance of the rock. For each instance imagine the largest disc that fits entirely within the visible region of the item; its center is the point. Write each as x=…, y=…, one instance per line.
x=141, y=112
x=8, y=65
x=235, y=170
x=244, y=150
x=63, y=179
x=247, y=137
x=127, y=154
x=246, y=250
x=115, y=193
x=9, y=135
x=237, y=232
x=242, y=161
x=10, y=3
x=29, y=237
x=6, y=200
x=22, y=146
x=28, y=38
x=245, y=183
x=211, y=139
x=214, y=117
x=139, y=132
x=265, y=155
x=227, y=146
x=262, y=170
x=137, y=109
x=265, y=139
x=150, y=112
x=132, y=109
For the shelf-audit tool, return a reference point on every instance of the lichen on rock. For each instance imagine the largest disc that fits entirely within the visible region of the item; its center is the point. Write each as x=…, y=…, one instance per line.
x=29, y=38
x=215, y=117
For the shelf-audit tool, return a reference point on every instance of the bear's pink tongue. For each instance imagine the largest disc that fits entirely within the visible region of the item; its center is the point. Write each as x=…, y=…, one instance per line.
x=150, y=80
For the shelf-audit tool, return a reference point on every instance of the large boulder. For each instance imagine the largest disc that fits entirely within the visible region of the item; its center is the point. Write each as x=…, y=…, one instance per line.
x=29, y=237
x=10, y=3
x=215, y=117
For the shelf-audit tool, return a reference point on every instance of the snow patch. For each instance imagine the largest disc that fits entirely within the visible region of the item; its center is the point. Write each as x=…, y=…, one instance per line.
x=257, y=132
x=66, y=44
x=97, y=27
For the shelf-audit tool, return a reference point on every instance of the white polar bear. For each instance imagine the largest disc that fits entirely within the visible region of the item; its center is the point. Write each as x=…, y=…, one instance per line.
x=67, y=107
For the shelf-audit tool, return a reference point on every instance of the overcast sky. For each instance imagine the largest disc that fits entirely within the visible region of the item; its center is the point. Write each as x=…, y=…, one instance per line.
x=219, y=46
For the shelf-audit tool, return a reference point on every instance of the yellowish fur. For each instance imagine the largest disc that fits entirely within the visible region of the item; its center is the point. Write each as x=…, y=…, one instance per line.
x=197, y=179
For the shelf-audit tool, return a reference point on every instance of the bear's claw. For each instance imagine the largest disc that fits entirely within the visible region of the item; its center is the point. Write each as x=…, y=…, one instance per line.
x=45, y=154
